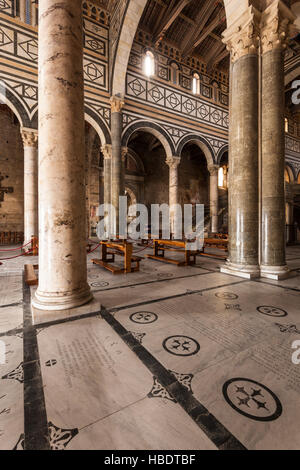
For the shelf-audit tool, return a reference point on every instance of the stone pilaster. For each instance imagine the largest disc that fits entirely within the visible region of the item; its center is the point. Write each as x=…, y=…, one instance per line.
x=30, y=144
x=173, y=163
x=214, y=198
x=62, y=218
x=22, y=8
x=242, y=39
x=116, y=162
x=275, y=24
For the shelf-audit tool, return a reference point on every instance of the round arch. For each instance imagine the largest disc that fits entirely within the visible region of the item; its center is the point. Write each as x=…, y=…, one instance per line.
x=221, y=152
x=153, y=129
x=291, y=172
x=16, y=107
x=201, y=143
x=138, y=160
x=91, y=117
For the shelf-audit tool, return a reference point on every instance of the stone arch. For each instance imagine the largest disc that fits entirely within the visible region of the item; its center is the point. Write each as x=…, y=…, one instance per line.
x=201, y=143
x=131, y=194
x=100, y=127
x=221, y=152
x=291, y=172
x=138, y=160
x=131, y=19
x=16, y=106
x=153, y=129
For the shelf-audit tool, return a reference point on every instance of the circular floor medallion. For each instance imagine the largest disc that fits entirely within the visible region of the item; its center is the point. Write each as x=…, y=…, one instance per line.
x=272, y=311
x=180, y=345
x=100, y=284
x=226, y=295
x=143, y=318
x=252, y=399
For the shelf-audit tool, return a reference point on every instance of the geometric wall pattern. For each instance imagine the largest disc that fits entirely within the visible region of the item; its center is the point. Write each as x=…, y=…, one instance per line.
x=161, y=96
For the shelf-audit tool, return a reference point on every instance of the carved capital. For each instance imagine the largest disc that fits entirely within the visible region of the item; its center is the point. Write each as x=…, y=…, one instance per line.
x=213, y=170
x=276, y=27
x=29, y=137
x=106, y=150
x=242, y=38
x=173, y=162
x=117, y=104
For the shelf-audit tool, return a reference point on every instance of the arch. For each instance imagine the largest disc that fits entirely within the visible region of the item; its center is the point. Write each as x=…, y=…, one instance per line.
x=153, y=129
x=131, y=194
x=291, y=172
x=202, y=144
x=138, y=160
x=100, y=127
x=16, y=107
x=131, y=19
x=221, y=152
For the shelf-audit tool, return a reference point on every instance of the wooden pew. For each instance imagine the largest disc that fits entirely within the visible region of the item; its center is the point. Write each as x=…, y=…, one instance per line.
x=177, y=246
x=30, y=275
x=111, y=249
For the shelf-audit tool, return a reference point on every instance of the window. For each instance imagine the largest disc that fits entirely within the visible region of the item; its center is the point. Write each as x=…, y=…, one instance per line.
x=286, y=176
x=298, y=179
x=196, y=84
x=221, y=177
x=286, y=124
x=149, y=64
x=174, y=73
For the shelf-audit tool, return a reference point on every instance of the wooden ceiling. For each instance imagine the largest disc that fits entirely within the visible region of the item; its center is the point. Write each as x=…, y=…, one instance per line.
x=194, y=27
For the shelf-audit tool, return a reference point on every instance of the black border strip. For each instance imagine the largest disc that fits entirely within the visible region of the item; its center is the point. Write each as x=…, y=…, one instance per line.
x=35, y=416
x=213, y=429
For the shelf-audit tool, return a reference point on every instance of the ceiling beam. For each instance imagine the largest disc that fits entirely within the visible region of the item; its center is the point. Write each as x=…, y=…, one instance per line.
x=215, y=56
x=220, y=18
x=172, y=13
x=200, y=21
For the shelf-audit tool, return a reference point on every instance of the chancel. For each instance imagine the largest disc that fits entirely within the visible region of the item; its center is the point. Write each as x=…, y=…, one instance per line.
x=149, y=226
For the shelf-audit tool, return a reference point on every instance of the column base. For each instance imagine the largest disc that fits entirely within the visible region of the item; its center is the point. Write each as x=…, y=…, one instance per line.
x=274, y=272
x=244, y=271
x=52, y=302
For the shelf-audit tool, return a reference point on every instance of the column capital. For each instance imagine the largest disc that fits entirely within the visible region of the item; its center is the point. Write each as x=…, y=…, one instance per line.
x=242, y=37
x=29, y=137
x=276, y=26
x=173, y=162
x=117, y=104
x=106, y=150
x=213, y=170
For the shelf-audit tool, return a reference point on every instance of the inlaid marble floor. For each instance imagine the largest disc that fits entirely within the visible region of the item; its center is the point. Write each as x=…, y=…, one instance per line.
x=175, y=358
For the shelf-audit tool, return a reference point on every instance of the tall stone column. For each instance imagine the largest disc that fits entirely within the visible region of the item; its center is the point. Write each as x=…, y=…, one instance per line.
x=31, y=223
x=106, y=150
x=62, y=218
x=242, y=41
x=275, y=23
x=173, y=163
x=214, y=198
x=116, y=152
x=124, y=153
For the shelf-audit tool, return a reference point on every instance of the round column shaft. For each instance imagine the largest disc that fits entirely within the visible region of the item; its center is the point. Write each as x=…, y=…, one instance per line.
x=62, y=212
x=173, y=163
x=117, y=179
x=30, y=143
x=214, y=198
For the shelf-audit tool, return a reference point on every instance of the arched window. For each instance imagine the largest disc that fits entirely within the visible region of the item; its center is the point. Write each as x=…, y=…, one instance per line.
x=298, y=179
x=221, y=177
x=196, y=84
x=286, y=124
x=149, y=64
x=174, y=73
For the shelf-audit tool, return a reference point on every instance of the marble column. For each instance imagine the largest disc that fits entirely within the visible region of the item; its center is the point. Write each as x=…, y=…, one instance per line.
x=106, y=150
x=173, y=163
x=22, y=7
x=273, y=42
x=214, y=198
x=62, y=213
x=116, y=153
x=30, y=143
x=33, y=13
x=124, y=153
x=242, y=41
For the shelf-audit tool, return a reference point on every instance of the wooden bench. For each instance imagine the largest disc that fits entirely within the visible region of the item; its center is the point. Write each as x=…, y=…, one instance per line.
x=30, y=275
x=176, y=246
x=11, y=238
x=220, y=243
x=111, y=249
